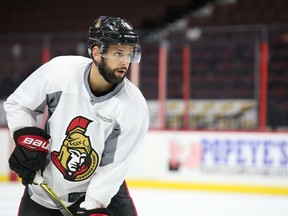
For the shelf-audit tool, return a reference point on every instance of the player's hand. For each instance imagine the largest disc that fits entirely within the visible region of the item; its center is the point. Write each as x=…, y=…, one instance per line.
x=29, y=155
x=94, y=212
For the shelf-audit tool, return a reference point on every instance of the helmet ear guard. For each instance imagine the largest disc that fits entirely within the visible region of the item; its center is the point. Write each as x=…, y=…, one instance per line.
x=114, y=30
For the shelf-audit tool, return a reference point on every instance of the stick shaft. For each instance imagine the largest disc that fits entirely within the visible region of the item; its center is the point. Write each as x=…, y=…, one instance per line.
x=59, y=204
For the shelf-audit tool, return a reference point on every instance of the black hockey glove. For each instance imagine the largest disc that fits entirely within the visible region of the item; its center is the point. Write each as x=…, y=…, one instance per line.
x=94, y=212
x=29, y=155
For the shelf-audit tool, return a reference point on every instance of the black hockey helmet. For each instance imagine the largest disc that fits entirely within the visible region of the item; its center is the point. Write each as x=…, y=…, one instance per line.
x=113, y=30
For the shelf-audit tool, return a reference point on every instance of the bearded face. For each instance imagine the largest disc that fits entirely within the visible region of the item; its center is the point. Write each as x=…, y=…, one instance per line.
x=111, y=75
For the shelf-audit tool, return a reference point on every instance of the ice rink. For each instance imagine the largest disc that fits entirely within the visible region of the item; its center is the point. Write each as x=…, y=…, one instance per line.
x=151, y=202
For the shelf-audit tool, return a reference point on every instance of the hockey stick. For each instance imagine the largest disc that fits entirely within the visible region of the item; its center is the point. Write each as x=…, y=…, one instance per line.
x=39, y=180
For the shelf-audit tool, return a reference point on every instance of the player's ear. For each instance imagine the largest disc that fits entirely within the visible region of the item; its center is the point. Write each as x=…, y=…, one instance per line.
x=96, y=53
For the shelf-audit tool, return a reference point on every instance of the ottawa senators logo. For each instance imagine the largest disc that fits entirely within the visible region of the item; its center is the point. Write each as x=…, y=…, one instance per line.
x=76, y=159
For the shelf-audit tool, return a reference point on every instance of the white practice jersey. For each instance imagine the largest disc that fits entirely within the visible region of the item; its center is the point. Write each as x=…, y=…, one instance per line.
x=93, y=139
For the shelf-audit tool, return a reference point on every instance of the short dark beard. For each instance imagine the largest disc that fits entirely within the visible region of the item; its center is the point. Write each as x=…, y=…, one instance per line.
x=108, y=73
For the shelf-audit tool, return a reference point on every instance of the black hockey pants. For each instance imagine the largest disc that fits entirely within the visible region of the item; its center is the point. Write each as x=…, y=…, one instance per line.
x=121, y=205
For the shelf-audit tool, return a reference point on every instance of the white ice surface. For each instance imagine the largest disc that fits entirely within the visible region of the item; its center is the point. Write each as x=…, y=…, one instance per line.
x=151, y=202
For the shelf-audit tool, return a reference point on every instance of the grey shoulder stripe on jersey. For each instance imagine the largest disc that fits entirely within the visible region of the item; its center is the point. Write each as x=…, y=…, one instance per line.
x=52, y=101
x=111, y=146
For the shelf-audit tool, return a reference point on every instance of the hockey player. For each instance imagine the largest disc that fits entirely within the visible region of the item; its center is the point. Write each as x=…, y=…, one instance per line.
x=97, y=119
